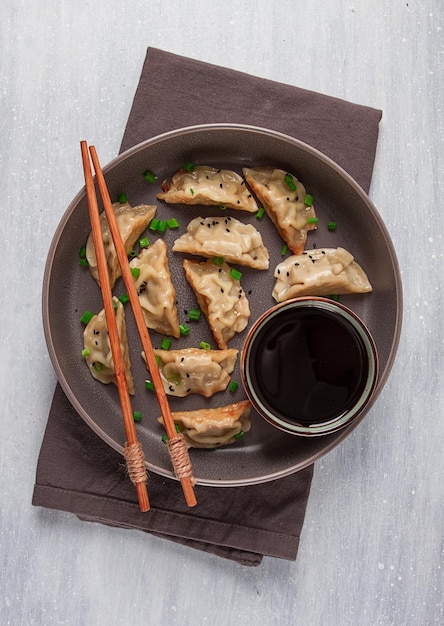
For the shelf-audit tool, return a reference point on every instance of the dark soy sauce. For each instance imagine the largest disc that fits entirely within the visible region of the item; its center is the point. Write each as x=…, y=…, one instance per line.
x=308, y=366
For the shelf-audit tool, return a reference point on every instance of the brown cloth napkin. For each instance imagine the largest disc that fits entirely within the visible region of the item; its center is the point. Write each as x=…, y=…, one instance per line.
x=77, y=471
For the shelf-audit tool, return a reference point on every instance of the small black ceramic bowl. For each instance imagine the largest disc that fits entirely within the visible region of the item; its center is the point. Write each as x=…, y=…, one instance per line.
x=309, y=366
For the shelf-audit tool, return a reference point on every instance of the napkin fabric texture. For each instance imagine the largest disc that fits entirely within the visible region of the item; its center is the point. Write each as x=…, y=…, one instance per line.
x=76, y=471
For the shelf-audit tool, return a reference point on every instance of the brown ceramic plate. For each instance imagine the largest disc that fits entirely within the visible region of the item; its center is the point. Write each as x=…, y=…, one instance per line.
x=265, y=453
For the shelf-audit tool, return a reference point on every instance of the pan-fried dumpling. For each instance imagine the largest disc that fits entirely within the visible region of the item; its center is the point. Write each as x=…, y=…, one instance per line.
x=208, y=186
x=221, y=298
x=283, y=197
x=194, y=370
x=320, y=272
x=211, y=428
x=226, y=237
x=100, y=358
x=132, y=221
x=155, y=289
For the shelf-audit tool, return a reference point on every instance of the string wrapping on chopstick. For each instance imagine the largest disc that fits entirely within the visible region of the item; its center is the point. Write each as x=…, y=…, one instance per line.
x=135, y=463
x=180, y=458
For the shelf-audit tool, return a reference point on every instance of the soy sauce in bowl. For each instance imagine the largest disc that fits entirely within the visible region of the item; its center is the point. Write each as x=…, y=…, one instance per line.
x=309, y=366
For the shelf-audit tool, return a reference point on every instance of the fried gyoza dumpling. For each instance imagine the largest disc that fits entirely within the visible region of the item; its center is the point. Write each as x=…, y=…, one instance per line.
x=210, y=187
x=194, y=370
x=320, y=272
x=132, y=221
x=284, y=198
x=211, y=428
x=221, y=298
x=226, y=237
x=96, y=341
x=154, y=286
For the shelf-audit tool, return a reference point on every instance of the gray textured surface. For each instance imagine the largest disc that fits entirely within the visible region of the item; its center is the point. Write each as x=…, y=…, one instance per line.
x=371, y=548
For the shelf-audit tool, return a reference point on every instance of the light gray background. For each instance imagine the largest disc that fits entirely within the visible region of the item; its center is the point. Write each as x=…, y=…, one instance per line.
x=371, y=551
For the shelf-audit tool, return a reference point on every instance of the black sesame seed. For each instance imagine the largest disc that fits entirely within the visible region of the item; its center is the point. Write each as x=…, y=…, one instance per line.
x=228, y=230
x=188, y=390
x=220, y=185
x=221, y=290
x=171, y=388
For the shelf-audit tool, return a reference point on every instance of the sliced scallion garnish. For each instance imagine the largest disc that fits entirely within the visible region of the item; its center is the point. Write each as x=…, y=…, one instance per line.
x=86, y=317
x=235, y=274
x=194, y=315
x=149, y=176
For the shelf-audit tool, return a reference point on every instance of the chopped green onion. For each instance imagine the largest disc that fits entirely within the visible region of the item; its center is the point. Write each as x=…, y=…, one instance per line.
x=239, y=435
x=144, y=243
x=172, y=223
x=86, y=352
x=132, y=254
x=137, y=416
x=334, y=297
x=222, y=207
x=218, y=260
x=288, y=180
x=135, y=271
x=165, y=343
x=260, y=213
x=235, y=274
x=204, y=345
x=82, y=255
x=98, y=366
x=122, y=198
x=149, y=385
x=284, y=250
x=331, y=225
x=114, y=305
x=312, y=220
x=154, y=224
x=149, y=176
x=124, y=298
x=308, y=200
x=194, y=315
x=191, y=191
x=158, y=359
x=189, y=166
x=161, y=226
x=184, y=329
x=176, y=426
x=233, y=386
x=86, y=317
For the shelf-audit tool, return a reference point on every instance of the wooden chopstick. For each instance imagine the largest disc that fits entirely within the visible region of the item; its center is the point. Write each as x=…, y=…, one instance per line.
x=136, y=466
x=176, y=444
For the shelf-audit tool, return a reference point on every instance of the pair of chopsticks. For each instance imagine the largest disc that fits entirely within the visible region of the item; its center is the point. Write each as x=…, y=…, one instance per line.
x=133, y=449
